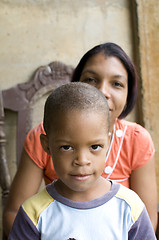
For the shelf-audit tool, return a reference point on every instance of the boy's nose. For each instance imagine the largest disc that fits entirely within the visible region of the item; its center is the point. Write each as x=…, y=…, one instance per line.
x=81, y=159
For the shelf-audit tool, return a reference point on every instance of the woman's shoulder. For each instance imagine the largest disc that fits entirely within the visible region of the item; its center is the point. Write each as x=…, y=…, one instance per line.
x=134, y=131
x=39, y=127
x=137, y=141
x=37, y=130
x=131, y=127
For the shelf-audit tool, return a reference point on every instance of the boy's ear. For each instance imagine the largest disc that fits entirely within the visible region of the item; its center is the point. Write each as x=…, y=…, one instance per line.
x=45, y=143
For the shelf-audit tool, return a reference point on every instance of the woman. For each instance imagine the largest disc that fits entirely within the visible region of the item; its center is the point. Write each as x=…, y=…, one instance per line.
x=130, y=158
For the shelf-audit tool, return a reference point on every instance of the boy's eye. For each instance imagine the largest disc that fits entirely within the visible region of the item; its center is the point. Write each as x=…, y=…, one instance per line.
x=66, y=148
x=96, y=147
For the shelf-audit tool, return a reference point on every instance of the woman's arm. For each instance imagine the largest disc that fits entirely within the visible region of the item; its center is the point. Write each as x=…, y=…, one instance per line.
x=143, y=182
x=25, y=184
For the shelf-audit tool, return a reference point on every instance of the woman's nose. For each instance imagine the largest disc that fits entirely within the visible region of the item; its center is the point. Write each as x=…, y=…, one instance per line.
x=104, y=88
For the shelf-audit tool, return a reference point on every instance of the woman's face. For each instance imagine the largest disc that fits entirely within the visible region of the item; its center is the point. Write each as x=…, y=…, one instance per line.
x=109, y=75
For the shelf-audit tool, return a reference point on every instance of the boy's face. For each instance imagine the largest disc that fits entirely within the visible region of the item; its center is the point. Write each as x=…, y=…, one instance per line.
x=78, y=144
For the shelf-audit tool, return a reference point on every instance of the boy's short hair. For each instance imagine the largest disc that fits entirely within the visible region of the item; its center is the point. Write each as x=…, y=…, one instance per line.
x=74, y=96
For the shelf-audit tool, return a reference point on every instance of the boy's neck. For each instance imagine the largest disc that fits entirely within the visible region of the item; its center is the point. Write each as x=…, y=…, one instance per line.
x=101, y=187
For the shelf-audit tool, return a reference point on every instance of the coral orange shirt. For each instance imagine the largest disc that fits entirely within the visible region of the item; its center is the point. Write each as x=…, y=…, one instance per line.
x=131, y=148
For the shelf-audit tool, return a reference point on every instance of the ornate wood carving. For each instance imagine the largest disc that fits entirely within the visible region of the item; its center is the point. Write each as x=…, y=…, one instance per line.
x=21, y=97
x=5, y=179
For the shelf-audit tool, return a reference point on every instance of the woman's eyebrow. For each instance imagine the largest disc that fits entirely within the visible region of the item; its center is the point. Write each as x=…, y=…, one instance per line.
x=88, y=71
x=119, y=76
x=115, y=75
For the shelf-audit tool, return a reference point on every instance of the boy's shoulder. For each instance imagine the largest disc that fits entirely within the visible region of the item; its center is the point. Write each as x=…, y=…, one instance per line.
x=36, y=204
x=131, y=199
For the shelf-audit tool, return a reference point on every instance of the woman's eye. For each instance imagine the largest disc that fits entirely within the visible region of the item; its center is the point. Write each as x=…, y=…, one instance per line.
x=89, y=80
x=96, y=147
x=66, y=148
x=118, y=84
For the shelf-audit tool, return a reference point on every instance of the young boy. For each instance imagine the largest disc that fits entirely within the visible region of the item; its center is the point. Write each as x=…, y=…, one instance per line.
x=80, y=205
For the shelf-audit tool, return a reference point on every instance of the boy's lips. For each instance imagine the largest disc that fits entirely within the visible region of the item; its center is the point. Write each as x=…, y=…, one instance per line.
x=80, y=177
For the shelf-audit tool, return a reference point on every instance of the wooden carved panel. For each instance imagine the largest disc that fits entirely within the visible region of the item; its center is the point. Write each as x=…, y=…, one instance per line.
x=22, y=97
